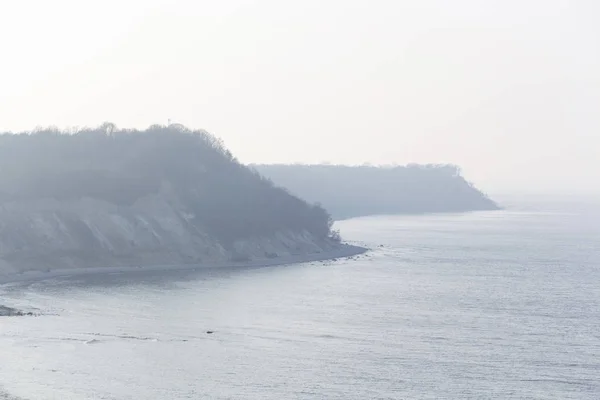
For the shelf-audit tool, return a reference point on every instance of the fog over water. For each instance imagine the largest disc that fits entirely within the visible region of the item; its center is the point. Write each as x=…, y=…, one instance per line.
x=475, y=98
x=499, y=305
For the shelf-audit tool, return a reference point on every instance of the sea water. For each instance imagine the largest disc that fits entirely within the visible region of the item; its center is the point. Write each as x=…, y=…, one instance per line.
x=486, y=305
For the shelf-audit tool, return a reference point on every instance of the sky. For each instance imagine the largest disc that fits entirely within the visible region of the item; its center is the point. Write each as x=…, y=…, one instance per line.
x=508, y=90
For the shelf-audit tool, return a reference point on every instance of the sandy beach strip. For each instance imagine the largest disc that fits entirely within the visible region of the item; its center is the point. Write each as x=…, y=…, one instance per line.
x=344, y=251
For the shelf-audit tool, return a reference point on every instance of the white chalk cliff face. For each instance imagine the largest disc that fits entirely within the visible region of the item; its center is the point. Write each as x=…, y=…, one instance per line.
x=46, y=234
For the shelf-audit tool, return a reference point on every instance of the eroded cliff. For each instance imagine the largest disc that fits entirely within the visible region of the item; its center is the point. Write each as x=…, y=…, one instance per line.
x=163, y=196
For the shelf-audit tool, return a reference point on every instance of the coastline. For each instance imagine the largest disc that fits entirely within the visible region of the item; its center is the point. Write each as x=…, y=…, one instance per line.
x=344, y=251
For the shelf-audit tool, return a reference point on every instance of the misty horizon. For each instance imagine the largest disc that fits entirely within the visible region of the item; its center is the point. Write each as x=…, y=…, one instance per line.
x=554, y=195
x=266, y=199
x=506, y=90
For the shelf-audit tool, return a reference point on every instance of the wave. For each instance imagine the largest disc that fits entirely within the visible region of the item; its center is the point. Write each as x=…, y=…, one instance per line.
x=127, y=337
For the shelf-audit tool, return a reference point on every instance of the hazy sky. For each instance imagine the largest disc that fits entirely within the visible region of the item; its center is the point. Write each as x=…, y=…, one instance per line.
x=509, y=90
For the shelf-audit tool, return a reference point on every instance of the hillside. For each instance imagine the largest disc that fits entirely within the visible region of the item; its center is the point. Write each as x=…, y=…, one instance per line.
x=167, y=195
x=365, y=190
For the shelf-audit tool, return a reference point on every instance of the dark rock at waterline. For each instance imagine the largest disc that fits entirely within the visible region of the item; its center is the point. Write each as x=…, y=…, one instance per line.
x=11, y=312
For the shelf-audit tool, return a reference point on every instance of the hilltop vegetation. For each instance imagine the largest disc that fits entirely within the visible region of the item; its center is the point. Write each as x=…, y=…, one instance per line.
x=366, y=190
x=227, y=199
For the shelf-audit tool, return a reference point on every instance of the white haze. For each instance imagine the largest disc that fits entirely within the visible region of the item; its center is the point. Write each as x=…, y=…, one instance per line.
x=509, y=90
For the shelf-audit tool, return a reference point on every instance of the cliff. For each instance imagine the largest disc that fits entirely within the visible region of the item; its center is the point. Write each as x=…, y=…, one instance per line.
x=167, y=195
x=365, y=190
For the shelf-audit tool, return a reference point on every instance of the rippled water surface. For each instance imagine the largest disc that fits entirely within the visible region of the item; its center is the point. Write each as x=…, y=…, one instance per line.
x=485, y=305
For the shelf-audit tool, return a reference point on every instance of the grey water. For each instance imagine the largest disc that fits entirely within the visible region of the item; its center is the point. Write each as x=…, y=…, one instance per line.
x=486, y=305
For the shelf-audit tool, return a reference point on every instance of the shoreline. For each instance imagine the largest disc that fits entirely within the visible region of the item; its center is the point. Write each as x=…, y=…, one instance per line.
x=344, y=251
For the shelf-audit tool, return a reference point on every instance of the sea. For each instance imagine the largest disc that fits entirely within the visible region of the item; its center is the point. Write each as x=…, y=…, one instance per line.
x=483, y=305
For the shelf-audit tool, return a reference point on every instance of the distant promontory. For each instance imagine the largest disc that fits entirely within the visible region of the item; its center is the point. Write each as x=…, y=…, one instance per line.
x=353, y=191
